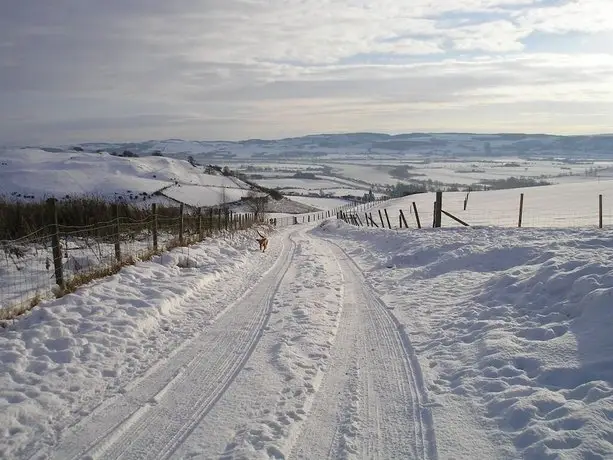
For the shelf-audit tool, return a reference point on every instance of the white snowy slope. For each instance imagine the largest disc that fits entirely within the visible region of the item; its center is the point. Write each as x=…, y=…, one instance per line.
x=511, y=328
x=337, y=342
x=560, y=205
x=70, y=355
x=319, y=203
x=38, y=174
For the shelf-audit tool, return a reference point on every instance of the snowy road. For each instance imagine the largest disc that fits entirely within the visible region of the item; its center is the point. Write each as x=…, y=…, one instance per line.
x=338, y=342
x=307, y=363
x=372, y=401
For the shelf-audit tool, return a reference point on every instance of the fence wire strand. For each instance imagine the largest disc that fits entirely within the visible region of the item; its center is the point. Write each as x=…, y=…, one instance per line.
x=90, y=251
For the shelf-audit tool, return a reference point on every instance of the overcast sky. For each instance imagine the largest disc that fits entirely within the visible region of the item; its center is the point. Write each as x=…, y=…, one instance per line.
x=79, y=70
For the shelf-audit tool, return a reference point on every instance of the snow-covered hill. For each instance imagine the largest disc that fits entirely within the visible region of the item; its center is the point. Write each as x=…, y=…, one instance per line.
x=338, y=342
x=560, y=205
x=322, y=145
x=34, y=174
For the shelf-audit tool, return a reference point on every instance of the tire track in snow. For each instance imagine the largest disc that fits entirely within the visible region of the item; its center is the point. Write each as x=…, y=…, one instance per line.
x=290, y=361
x=375, y=405
x=151, y=419
x=165, y=351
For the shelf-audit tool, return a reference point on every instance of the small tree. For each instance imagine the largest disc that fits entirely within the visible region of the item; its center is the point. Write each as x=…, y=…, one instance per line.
x=256, y=202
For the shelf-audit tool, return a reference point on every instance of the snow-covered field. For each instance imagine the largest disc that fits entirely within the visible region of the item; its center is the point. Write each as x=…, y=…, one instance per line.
x=488, y=342
x=288, y=184
x=355, y=172
x=511, y=331
x=205, y=196
x=560, y=205
x=320, y=203
x=338, y=342
x=35, y=174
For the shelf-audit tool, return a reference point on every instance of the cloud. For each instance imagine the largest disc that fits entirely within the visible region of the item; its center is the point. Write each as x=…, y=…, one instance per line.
x=589, y=16
x=135, y=69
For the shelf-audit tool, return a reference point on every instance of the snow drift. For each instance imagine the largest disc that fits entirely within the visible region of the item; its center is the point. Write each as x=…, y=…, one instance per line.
x=512, y=329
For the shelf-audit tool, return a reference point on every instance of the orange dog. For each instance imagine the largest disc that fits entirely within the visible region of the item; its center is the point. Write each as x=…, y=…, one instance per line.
x=263, y=242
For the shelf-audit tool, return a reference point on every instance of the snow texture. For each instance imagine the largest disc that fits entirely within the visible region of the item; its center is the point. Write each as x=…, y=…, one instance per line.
x=337, y=342
x=511, y=328
x=560, y=205
x=35, y=174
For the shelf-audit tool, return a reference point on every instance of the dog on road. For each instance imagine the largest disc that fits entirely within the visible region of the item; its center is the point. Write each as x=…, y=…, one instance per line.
x=263, y=241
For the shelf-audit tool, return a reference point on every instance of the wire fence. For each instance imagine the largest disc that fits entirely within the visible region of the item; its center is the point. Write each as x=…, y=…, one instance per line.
x=456, y=210
x=57, y=258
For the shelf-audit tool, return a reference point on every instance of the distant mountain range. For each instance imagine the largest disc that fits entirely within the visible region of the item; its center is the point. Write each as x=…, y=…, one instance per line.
x=322, y=145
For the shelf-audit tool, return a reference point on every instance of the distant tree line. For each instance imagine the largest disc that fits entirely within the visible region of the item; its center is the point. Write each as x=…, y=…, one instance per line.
x=416, y=186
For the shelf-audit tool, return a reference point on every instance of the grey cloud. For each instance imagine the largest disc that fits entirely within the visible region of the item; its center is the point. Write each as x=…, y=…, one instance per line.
x=129, y=69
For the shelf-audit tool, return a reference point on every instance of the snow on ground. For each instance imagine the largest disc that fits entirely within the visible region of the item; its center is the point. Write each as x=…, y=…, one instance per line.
x=292, y=183
x=320, y=203
x=199, y=196
x=340, y=192
x=38, y=173
x=266, y=406
x=337, y=342
x=511, y=328
x=560, y=205
x=470, y=172
x=68, y=355
x=372, y=174
x=346, y=182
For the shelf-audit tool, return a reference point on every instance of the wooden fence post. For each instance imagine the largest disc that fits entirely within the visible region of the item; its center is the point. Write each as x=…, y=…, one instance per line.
x=438, y=208
x=466, y=200
x=154, y=229
x=55, y=243
x=387, y=218
x=434, y=215
x=373, y=223
x=381, y=217
x=367, y=221
x=200, y=227
x=460, y=221
x=416, y=215
x=599, y=211
x=219, y=219
x=402, y=219
x=117, y=233
x=521, y=209
x=181, y=228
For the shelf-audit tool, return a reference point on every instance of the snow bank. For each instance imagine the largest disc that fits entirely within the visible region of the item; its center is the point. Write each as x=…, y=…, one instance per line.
x=512, y=328
x=58, y=362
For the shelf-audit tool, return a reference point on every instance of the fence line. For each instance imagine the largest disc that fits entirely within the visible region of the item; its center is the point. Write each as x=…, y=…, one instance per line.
x=56, y=259
x=456, y=214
